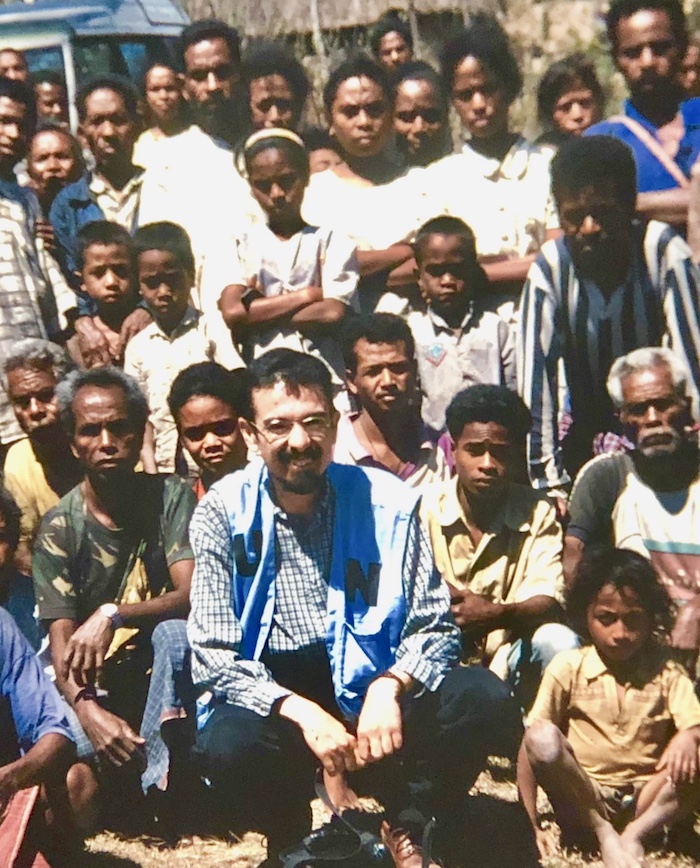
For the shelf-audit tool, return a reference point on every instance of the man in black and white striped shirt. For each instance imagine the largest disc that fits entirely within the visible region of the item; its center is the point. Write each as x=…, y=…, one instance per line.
x=610, y=285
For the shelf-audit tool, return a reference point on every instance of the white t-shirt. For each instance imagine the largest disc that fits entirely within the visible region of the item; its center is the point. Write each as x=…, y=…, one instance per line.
x=508, y=203
x=312, y=257
x=374, y=216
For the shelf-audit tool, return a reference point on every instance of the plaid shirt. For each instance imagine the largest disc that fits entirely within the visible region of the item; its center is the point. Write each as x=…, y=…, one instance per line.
x=430, y=641
x=28, y=298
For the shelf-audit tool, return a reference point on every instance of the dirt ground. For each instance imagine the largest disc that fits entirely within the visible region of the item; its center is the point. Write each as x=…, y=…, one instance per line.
x=494, y=822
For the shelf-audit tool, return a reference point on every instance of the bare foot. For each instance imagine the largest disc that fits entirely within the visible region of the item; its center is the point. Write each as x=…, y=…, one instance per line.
x=546, y=843
x=618, y=853
x=339, y=792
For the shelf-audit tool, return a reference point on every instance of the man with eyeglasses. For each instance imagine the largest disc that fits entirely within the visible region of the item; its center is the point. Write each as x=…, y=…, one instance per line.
x=649, y=39
x=610, y=285
x=647, y=500
x=321, y=629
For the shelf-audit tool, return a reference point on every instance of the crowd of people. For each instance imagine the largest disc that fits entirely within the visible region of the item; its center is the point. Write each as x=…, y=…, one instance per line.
x=345, y=457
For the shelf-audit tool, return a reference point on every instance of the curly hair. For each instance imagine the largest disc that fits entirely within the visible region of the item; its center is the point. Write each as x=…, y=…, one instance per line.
x=622, y=568
x=108, y=377
x=390, y=22
x=620, y=9
x=485, y=402
x=485, y=40
x=375, y=328
x=269, y=59
x=357, y=65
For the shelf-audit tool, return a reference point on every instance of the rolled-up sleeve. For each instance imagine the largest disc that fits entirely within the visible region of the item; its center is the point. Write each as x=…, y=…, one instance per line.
x=430, y=642
x=213, y=630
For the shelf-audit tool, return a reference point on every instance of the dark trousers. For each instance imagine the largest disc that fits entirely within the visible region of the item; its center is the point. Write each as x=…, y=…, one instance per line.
x=263, y=770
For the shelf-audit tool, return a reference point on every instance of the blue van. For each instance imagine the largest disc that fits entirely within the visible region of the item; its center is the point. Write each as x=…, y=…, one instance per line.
x=83, y=38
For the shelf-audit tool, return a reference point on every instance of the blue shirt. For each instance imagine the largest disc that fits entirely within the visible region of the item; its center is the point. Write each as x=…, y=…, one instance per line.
x=651, y=174
x=21, y=604
x=26, y=693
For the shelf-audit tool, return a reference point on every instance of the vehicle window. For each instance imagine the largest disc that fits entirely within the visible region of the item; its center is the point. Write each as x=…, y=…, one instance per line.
x=137, y=58
x=94, y=57
x=41, y=59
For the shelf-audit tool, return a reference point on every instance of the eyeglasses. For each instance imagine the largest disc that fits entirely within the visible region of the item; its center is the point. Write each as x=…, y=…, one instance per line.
x=277, y=430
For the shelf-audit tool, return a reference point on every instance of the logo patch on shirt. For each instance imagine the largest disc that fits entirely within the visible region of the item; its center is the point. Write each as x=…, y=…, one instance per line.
x=435, y=354
x=246, y=568
x=356, y=580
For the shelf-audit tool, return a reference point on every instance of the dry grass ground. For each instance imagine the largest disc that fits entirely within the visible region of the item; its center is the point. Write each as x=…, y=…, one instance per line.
x=494, y=824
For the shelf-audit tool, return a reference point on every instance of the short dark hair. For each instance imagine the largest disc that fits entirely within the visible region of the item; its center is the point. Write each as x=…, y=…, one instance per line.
x=444, y=225
x=564, y=76
x=604, y=565
x=296, y=154
x=375, y=328
x=108, y=377
x=359, y=64
x=22, y=93
x=487, y=403
x=620, y=9
x=13, y=518
x=270, y=59
x=485, y=40
x=162, y=64
x=209, y=379
x=47, y=126
x=295, y=370
x=48, y=76
x=116, y=83
x=317, y=137
x=390, y=22
x=211, y=28
x=102, y=232
x=165, y=236
x=587, y=161
x=419, y=70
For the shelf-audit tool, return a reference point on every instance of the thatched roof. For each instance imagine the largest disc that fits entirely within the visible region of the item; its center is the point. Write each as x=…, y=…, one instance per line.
x=294, y=15
x=267, y=17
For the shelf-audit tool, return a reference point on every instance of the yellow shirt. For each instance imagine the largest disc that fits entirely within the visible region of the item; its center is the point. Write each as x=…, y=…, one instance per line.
x=26, y=481
x=517, y=558
x=616, y=742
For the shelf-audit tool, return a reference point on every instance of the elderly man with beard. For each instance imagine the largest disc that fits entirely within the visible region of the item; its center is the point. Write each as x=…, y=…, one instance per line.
x=321, y=629
x=646, y=500
x=40, y=468
x=612, y=284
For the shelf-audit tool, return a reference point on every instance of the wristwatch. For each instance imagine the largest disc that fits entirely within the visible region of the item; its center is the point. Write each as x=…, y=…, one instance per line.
x=111, y=611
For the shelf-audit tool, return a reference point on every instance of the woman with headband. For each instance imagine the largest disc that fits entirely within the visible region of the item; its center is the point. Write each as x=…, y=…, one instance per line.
x=291, y=283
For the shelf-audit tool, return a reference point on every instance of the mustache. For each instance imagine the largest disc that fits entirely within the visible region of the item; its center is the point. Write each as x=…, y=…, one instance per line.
x=289, y=455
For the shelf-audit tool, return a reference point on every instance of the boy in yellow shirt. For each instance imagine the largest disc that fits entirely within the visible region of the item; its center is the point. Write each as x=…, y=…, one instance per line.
x=614, y=732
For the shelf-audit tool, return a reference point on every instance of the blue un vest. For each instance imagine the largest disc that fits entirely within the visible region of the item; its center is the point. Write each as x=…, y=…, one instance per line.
x=366, y=607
